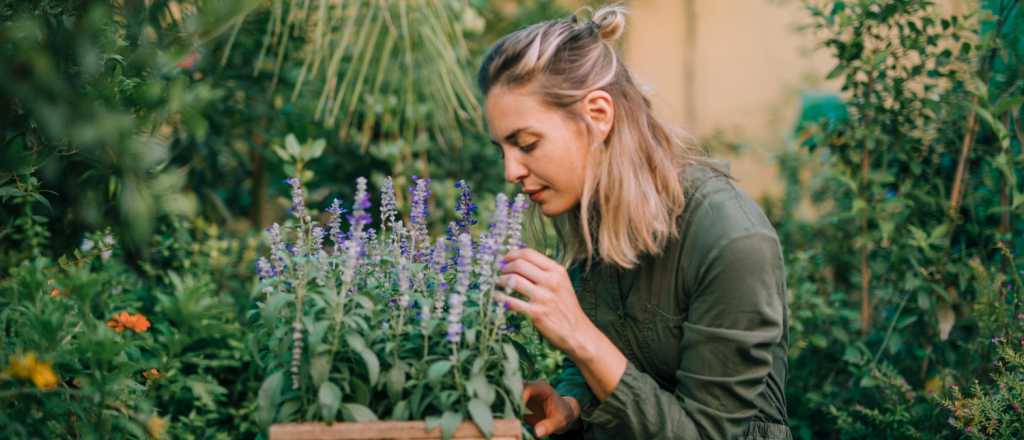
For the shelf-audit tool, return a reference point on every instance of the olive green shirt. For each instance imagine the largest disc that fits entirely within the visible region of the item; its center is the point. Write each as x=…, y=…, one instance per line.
x=703, y=326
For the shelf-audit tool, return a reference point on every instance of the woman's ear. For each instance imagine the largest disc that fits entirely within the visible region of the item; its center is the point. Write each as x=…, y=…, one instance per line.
x=599, y=109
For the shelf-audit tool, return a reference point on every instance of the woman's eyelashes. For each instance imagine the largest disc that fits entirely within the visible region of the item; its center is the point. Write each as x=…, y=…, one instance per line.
x=529, y=147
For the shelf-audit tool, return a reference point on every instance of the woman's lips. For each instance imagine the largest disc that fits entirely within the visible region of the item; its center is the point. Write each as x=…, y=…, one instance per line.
x=536, y=195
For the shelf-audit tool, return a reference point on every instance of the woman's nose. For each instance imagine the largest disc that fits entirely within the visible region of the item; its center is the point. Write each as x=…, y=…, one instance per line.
x=515, y=171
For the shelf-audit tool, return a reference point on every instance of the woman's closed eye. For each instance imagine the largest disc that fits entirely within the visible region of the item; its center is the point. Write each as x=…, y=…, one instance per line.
x=529, y=147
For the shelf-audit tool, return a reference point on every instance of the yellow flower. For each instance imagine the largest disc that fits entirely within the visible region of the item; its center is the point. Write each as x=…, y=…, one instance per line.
x=28, y=367
x=21, y=366
x=43, y=376
x=156, y=426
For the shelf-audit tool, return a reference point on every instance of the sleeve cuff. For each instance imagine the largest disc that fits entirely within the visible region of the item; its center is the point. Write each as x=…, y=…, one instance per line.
x=580, y=392
x=609, y=412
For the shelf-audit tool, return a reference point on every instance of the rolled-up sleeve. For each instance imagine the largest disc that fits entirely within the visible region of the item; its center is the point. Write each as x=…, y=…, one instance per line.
x=735, y=317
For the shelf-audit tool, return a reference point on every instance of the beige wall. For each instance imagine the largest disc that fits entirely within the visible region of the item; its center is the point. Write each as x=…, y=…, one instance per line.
x=731, y=68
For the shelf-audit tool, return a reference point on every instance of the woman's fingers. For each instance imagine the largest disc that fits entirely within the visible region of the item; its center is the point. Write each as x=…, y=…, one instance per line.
x=516, y=304
x=538, y=259
x=527, y=270
x=522, y=285
x=548, y=426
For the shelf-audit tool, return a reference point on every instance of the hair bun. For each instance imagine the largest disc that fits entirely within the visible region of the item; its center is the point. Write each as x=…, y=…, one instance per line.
x=610, y=21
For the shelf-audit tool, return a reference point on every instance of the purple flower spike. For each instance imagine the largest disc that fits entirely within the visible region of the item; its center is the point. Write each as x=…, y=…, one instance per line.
x=298, y=198
x=464, y=207
x=418, y=215
x=388, y=205
x=334, y=224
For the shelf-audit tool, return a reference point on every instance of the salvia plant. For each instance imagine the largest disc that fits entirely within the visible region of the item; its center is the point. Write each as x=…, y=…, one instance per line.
x=365, y=323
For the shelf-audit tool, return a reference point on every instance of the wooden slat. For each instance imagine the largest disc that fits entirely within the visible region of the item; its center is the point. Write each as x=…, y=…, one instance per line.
x=504, y=429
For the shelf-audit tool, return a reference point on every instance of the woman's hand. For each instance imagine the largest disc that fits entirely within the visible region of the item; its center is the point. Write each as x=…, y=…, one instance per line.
x=551, y=413
x=552, y=306
x=556, y=313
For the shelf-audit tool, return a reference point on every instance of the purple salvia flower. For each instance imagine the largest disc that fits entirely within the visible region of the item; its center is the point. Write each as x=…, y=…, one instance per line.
x=351, y=262
x=334, y=224
x=418, y=215
x=355, y=248
x=463, y=264
x=388, y=205
x=264, y=269
x=318, y=238
x=500, y=219
x=438, y=266
x=359, y=217
x=515, y=227
x=438, y=257
x=454, y=331
x=404, y=282
x=298, y=198
x=464, y=207
x=456, y=298
x=278, y=250
x=424, y=317
x=491, y=243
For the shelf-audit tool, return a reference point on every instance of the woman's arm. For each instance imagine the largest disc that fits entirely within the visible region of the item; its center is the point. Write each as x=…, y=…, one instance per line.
x=734, y=320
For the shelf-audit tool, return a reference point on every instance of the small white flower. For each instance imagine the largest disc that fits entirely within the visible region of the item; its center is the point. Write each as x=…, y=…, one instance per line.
x=87, y=245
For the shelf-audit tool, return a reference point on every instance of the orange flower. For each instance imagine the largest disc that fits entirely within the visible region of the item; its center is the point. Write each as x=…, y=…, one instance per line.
x=56, y=293
x=137, y=322
x=151, y=374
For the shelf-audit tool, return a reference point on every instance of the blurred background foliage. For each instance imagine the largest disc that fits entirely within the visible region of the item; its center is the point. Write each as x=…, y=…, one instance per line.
x=169, y=125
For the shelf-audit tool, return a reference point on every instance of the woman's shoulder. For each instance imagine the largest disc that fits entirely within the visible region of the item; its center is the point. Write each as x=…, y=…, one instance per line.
x=716, y=210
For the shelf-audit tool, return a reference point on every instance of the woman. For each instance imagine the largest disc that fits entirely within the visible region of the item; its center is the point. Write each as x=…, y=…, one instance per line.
x=672, y=315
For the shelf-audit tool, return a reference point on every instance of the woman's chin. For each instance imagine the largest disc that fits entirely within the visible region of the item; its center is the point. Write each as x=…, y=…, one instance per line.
x=551, y=209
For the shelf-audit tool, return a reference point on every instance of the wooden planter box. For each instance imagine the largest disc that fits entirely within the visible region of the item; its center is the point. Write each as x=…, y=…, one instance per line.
x=504, y=429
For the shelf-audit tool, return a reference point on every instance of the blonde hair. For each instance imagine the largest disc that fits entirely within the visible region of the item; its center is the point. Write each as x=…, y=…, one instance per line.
x=632, y=193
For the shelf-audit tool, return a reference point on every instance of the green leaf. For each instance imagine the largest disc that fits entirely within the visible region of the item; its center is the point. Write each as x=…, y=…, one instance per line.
x=319, y=369
x=450, y=421
x=481, y=414
x=868, y=382
x=853, y=355
x=39, y=198
x=291, y=144
x=283, y=155
x=923, y=300
x=400, y=411
x=269, y=395
x=1000, y=130
x=329, y=399
x=314, y=149
x=360, y=392
x=433, y=422
x=395, y=382
x=354, y=412
x=356, y=342
x=437, y=370
x=512, y=377
x=206, y=391
x=9, y=191
x=479, y=387
x=511, y=355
